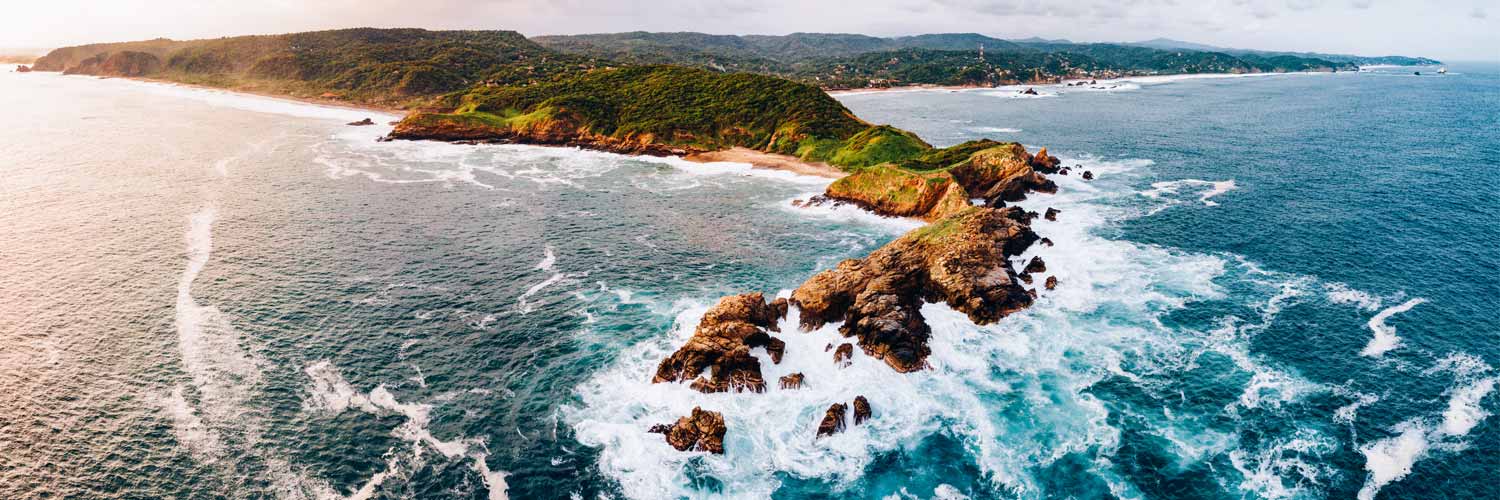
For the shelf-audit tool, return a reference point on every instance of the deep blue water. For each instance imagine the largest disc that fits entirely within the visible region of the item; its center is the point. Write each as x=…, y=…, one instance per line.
x=210, y=296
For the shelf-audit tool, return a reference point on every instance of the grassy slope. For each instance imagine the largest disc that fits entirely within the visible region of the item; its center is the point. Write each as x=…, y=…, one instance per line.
x=395, y=67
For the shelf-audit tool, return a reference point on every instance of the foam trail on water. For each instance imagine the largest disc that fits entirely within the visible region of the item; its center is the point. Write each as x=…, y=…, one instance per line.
x=1160, y=189
x=1385, y=338
x=547, y=263
x=330, y=393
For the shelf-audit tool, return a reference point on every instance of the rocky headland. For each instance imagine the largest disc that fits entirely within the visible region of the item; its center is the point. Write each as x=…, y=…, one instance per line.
x=962, y=258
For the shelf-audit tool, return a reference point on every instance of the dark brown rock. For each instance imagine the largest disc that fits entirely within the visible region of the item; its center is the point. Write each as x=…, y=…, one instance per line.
x=793, y=381
x=700, y=431
x=833, y=420
x=1051, y=282
x=362, y=123
x=1044, y=163
x=23, y=69
x=861, y=410
x=841, y=357
x=1052, y=214
x=961, y=260
x=717, y=358
x=1037, y=265
x=1088, y=175
x=1047, y=241
x=1026, y=278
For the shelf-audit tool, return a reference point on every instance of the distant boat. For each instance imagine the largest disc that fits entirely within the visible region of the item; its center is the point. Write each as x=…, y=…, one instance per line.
x=1442, y=71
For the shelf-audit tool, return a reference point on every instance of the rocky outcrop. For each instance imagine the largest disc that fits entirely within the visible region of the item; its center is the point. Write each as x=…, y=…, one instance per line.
x=1088, y=175
x=1037, y=265
x=833, y=420
x=1051, y=282
x=700, y=431
x=23, y=69
x=842, y=355
x=362, y=123
x=1051, y=214
x=998, y=174
x=792, y=381
x=1046, y=242
x=861, y=410
x=961, y=260
x=717, y=358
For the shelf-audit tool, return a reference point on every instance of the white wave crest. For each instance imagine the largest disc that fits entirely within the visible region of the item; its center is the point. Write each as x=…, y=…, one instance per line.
x=1161, y=190
x=1391, y=459
x=1385, y=338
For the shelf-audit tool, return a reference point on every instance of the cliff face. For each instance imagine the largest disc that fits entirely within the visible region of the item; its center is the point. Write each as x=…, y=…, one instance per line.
x=125, y=63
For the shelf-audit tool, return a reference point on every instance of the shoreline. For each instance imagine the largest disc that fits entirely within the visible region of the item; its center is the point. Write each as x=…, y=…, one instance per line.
x=314, y=101
x=768, y=161
x=1063, y=83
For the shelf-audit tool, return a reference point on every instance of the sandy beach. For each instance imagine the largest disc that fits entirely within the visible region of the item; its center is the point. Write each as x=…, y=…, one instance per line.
x=759, y=159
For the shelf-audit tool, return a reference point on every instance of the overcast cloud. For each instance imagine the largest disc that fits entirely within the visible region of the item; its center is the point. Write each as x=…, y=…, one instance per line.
x=1445, y=29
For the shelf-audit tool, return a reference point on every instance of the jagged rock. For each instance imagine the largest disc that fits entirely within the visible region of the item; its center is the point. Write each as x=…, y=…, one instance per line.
x=362, y=123
x=842, y=356
x=1051, y=282
x=1037, y=265
x=1088, y=175
x=773, y=346
x=961, y=260
x=1031, y=292
x=700, y=431
x=1026, y=278
x=833, y=420
x=23, y=69
x=1029, y=92
x=719, y=349
x=1052, y=213
x=861, y=410
x=1063, y=171
x=384, y=138
x=793, y=381
x=1044, y=163
x=1047, y=241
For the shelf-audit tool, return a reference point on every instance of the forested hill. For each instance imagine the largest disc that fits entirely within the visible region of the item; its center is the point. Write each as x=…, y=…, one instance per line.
x=393, y=67
x=845, y=60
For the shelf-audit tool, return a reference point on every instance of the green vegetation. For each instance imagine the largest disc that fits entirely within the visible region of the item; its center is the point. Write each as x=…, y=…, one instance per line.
x=391, y=67
x=857, y=61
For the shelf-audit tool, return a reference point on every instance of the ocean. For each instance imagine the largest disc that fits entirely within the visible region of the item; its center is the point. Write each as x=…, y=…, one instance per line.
x=1275, y=287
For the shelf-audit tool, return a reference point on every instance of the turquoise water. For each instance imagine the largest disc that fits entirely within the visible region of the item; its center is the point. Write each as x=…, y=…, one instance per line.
x=1277, y=287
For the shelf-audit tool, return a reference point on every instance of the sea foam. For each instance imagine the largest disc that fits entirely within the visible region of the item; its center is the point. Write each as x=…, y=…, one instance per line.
x=1385, y=338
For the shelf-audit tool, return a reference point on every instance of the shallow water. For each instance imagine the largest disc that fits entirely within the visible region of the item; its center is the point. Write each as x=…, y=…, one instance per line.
x=1277, y=287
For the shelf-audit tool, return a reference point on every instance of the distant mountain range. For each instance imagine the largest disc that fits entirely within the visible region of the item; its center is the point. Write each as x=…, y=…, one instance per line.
x=1170, y=44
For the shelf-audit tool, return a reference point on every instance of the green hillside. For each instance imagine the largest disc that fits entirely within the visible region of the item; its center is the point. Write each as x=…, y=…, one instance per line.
x=395, y=67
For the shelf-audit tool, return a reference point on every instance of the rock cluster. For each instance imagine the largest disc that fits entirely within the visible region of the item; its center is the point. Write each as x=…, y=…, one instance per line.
x=834, y=419
x=717, y=358
x=961, y=260
x=362, y=123
x=700, y=431
x=23, y=69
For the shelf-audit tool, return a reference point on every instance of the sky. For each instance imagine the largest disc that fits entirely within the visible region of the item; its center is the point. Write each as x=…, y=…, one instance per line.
x=1443, y=29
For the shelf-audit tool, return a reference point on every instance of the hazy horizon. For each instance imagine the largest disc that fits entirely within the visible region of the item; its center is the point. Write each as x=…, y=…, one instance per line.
x=1458, y=30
